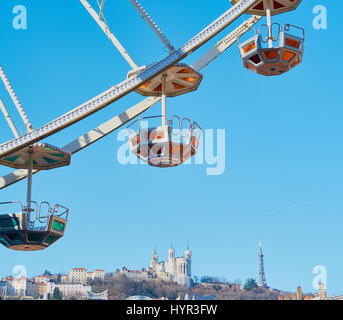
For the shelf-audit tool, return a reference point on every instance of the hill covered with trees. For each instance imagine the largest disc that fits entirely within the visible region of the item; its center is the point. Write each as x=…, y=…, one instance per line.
x=120, y=288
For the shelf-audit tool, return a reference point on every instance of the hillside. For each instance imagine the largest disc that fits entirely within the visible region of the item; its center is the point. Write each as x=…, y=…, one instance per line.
x=122, y=287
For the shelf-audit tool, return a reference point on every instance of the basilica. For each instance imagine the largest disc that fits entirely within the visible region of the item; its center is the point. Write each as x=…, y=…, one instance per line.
x=174, y=269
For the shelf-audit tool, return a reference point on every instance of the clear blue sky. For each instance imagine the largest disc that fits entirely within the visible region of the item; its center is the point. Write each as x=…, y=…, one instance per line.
x=283, y=178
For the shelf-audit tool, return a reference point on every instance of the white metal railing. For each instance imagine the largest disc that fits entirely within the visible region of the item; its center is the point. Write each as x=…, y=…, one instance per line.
x=38, y=217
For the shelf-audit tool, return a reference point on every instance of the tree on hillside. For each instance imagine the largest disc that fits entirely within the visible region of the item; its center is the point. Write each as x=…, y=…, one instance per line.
x=59, y=278
x=208, y=279
x=57, y=295
x=120, y=288
x=47, y=273
x=250, y=284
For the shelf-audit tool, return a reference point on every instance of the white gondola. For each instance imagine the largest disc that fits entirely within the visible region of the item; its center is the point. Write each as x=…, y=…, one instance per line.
x=275, y=60
x=165, y=146
x=281, y=50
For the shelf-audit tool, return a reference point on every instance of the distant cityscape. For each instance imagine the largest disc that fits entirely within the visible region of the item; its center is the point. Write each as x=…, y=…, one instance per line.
x=78, y=283
x=75, y=283
x=49, y=286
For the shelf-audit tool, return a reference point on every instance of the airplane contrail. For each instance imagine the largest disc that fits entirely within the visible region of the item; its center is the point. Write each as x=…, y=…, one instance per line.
x=290, y=207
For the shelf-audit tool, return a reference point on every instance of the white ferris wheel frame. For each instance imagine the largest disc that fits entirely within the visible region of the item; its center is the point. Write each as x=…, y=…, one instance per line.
x=127, y=86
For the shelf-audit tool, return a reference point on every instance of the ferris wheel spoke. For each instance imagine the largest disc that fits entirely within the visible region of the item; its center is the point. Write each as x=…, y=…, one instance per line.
x=89, y=138
x=153, y=25
x=9, y=119
x=101, y=21
x=15, y=100
x=225, y=43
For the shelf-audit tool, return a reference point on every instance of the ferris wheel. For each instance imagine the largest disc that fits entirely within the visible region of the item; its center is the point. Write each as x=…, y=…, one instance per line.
x=272, y=50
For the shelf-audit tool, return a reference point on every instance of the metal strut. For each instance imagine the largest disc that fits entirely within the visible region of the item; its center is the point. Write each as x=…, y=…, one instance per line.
x=153, y=25
x=101, y=8
x=225, y=43
x=15, y=100
x=9, y=119
x=104, y=26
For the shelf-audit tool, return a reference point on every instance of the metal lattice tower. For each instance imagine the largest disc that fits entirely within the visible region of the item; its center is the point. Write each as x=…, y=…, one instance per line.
x=262, y=276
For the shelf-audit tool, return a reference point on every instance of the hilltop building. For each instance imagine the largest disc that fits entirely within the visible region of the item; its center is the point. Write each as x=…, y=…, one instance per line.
x=77, y=275
x=176, y=269
x=135, y=275
x=81, y=275
x=78, y=290
x=44, y=278
x=42, y=287
x=14, y=286
x=24, y=288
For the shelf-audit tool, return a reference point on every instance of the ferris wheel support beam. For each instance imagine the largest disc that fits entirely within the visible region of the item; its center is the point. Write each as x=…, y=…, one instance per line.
x=111, y=125
x=107, y=31
x=225, y=43
x=14, y=177
x=9, y=119
x=89, y=138
x=15, y=100
x=153, y=25
x=127, y=86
